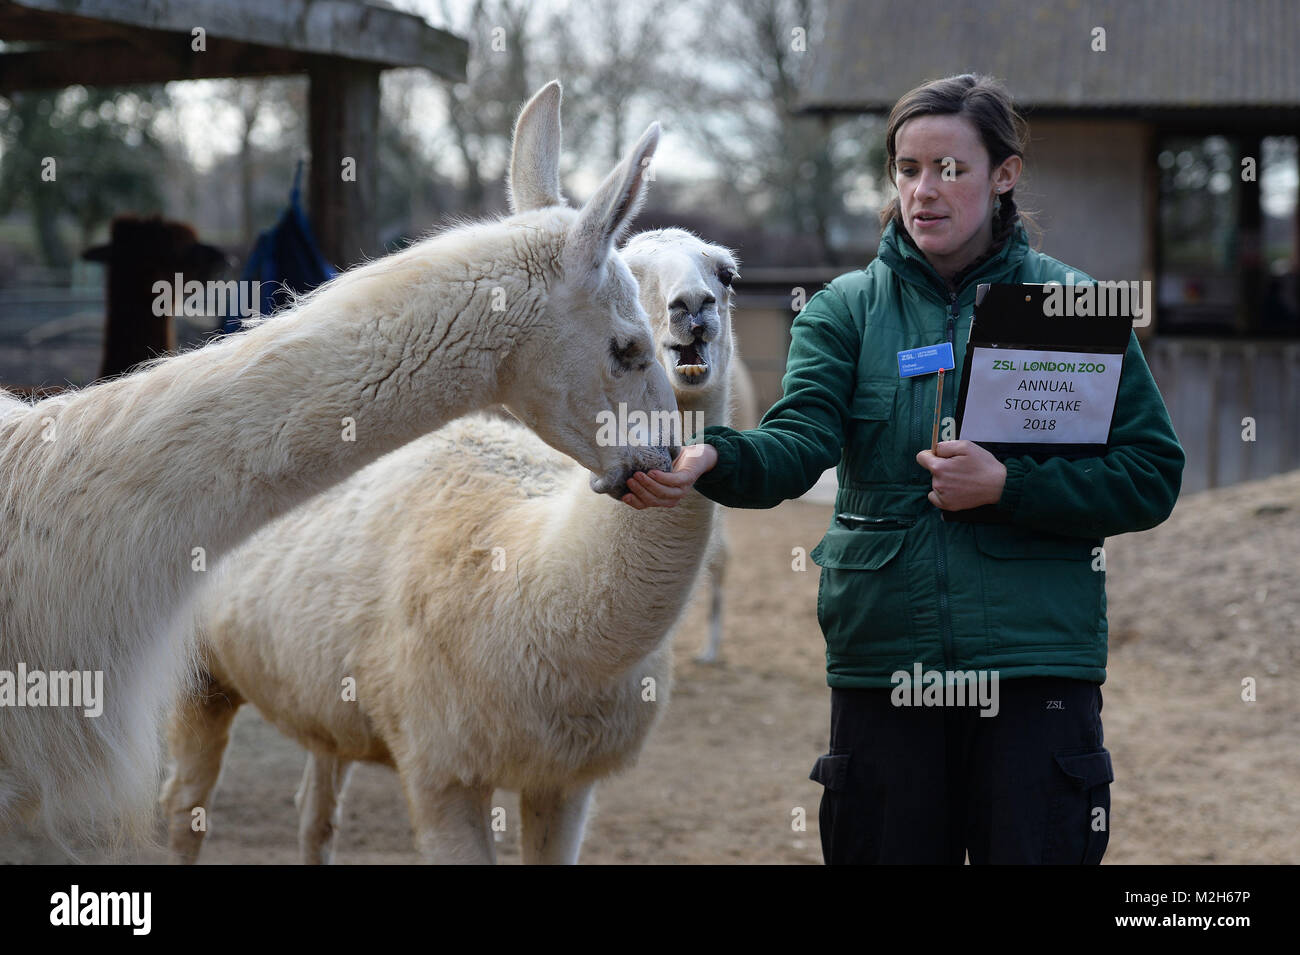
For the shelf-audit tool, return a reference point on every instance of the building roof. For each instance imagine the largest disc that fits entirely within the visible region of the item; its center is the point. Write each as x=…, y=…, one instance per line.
x=1160, y=54
x=118, y=42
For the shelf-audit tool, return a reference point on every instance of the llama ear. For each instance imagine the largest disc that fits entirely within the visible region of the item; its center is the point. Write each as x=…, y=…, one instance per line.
x=207, y=259
x=534, y=181
x=608, y=213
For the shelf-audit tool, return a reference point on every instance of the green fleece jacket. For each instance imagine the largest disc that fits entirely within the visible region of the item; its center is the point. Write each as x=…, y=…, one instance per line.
x=899, y=585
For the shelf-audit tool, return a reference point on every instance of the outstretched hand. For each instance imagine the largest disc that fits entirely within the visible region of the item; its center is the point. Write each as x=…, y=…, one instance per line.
x=963, y=475
x=665, y=488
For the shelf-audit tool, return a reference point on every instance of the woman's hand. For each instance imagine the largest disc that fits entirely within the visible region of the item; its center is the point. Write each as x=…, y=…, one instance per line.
x=665, y=489
x=963, y=475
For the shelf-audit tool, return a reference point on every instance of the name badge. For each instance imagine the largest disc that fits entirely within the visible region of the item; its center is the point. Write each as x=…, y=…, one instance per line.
x=924, y=360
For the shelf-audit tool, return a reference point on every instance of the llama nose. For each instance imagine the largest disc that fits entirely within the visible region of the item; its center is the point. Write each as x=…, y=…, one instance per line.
x=692, y=303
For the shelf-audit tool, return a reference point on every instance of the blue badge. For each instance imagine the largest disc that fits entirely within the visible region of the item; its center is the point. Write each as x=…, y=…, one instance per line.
x=924, y=360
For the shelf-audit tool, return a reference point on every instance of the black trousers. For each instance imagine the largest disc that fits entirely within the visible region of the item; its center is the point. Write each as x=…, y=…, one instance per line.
x=928, y=784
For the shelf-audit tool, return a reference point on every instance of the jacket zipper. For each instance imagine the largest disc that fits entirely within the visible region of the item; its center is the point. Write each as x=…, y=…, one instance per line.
x=945, y=615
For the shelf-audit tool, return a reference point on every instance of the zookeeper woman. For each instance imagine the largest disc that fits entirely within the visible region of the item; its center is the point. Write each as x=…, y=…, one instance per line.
x=1020, y=600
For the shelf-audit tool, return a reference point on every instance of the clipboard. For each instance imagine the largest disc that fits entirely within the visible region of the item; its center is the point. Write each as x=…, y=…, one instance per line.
x=1010, y=323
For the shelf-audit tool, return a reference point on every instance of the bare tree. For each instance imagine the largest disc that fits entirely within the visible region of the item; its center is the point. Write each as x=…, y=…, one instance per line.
x=787, y=170
x=277, y=106
x=613, y=55
x=727, y=75
x=481, y=111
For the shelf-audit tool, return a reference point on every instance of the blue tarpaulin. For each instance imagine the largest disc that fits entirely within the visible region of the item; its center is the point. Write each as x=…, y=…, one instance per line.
x=285, y=258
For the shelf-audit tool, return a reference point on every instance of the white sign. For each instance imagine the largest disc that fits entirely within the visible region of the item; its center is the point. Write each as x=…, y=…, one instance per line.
x=1040, y=397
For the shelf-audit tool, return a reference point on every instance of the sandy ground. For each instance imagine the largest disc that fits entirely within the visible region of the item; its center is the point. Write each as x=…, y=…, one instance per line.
x=1196, y=605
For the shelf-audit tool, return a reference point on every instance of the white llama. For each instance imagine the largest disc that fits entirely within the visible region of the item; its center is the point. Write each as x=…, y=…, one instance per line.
x=113, y=499
x=744, y=416
x=482, y=622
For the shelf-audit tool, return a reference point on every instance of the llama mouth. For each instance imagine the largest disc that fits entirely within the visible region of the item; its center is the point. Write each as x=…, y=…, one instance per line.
x=614, y=483
x=692, y=361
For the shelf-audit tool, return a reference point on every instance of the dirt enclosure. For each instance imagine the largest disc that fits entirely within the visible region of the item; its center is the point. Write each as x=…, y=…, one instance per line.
x=1196, y=606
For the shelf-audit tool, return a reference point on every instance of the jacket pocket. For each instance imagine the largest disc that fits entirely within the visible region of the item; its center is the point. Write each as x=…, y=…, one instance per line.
x=862, y=601
x=1040, y=591
x=873, y=399
x=871, y=416
x=1079, y=825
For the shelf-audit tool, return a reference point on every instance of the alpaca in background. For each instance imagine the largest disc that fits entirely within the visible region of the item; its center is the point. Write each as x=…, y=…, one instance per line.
x=114, y=498
x=140, y=253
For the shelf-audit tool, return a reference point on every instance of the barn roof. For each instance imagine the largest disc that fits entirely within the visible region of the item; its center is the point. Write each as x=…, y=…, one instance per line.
x=119, y=42
x=1160, y=54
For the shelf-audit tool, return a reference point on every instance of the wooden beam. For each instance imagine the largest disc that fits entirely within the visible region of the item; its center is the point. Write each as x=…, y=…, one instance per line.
x=344, y=117
x=339, y=28
x=18, y=24
x=118, y=63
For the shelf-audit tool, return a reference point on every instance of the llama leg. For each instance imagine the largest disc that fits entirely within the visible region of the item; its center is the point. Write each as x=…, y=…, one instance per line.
x=319, y=801
x=554, y=823
x=710, y=653
x=451, y=825
x=197, y=734
x=716, y=572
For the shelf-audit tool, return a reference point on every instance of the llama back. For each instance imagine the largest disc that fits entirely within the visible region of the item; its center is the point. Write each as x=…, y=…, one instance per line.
x=415, y=599
x=296, y=620
x=481, y=450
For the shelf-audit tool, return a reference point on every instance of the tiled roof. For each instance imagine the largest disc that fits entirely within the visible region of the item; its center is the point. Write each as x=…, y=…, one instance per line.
x=1164, y=54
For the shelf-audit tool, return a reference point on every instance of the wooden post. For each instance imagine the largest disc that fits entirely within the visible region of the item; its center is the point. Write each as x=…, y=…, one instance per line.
x=344, y=117
x=1248, y=454
x=1251, y=270
x=1212, y=390
x=1151, y=263
x=1290, y=424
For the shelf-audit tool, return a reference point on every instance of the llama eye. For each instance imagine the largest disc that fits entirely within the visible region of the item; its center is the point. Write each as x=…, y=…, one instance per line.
x=623, y=355
x=727, y=275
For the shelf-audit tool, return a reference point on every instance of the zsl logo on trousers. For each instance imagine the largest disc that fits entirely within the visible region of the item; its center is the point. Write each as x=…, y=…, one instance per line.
x=1056, y=704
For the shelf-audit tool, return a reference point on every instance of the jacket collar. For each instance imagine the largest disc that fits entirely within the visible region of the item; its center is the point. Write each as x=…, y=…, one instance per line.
x=901, y=255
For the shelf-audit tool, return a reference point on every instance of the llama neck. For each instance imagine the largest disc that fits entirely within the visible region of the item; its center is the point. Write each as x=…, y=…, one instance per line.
x=651, y=556
x=116, y=499
x=202, y=449
x=134, y=332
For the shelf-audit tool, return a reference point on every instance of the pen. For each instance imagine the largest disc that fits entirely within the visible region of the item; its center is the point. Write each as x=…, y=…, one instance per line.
x=938, y=405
